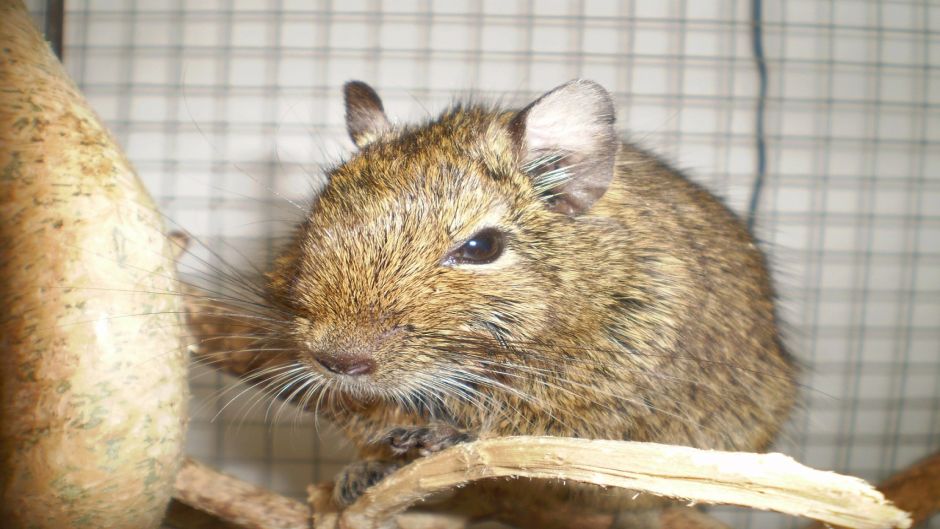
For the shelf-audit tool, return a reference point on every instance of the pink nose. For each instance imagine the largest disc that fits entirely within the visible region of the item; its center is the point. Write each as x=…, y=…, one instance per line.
x=348, y=365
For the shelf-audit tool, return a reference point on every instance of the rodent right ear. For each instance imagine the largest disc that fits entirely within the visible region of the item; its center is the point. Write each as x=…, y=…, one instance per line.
x=567, y=143
x=365, y=116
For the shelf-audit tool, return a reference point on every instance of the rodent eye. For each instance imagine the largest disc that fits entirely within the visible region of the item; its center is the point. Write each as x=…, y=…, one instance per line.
x=484, y=247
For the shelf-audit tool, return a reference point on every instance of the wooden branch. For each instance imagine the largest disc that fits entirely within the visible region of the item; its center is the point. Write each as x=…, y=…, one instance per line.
x=915, y=489
x=236, y=502
x=772, y=479
x=762, y=481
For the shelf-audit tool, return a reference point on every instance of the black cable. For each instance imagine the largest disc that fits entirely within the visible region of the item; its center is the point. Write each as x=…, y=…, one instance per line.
x=757, y=48
x=55, y=25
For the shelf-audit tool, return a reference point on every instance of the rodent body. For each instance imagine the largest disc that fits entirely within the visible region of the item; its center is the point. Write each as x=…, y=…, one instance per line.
x=625, y=302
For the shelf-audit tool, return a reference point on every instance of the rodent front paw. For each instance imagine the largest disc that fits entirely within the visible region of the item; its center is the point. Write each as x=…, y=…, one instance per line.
x=359, y=476
x=425, y=439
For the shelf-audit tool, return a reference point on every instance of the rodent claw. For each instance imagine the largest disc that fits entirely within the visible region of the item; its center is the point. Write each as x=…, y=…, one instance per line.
x=357, y=477
x=425, y=439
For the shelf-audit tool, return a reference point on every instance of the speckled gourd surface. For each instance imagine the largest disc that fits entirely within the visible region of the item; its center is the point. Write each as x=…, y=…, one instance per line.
x=92, y=370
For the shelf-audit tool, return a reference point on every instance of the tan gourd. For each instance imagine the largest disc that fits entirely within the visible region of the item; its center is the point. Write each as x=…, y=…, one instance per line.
x=92, y=370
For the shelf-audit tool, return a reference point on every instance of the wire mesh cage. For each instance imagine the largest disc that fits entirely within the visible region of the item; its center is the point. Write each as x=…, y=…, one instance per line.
x=229, y=109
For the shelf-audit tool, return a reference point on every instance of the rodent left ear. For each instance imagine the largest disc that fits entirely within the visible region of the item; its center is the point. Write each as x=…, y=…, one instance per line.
x=365, y=115
x=567, y=143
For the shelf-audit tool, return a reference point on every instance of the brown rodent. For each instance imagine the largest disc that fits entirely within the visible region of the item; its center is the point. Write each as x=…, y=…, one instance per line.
x=502, y=272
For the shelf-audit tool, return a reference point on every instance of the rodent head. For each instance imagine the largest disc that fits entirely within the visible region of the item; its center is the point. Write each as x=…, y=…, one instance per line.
x=435, y=247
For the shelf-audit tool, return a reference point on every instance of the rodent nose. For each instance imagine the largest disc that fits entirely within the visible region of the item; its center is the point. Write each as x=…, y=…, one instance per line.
x=348, y=365
x=352, y=354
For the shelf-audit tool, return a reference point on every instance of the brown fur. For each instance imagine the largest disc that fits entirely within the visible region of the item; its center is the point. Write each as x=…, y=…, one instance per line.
x=649, y=317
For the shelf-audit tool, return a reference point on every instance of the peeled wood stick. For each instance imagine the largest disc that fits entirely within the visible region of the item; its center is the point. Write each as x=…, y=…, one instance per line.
x=762, y=481
x=915, y=489
x=237, y=502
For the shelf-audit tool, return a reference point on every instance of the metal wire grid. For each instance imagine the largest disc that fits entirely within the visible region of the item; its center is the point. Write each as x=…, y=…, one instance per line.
x=853, y=185
x=228, y=106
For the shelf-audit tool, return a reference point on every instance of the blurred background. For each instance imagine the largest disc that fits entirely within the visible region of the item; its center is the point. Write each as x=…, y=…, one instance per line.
x=229, y=109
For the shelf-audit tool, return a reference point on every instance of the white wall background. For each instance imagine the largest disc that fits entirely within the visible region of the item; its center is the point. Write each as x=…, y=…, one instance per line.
x=226, y=106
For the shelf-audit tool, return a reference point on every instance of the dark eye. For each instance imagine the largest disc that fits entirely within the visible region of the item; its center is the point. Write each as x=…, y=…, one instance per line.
x=484, y=247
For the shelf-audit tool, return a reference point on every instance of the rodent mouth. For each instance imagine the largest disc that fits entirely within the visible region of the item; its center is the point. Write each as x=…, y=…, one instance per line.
x=357, y=388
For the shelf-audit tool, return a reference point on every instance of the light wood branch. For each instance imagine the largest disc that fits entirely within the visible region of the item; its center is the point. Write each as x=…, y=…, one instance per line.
x=762, y=481
x=236, y=504
x=915, y=489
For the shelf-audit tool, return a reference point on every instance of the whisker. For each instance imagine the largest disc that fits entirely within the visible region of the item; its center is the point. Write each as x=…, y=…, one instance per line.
x=265, y=384
x=307, y=379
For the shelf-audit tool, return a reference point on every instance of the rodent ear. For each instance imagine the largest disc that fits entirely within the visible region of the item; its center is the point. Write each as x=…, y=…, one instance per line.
x=568, y=144
x=365, y=116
